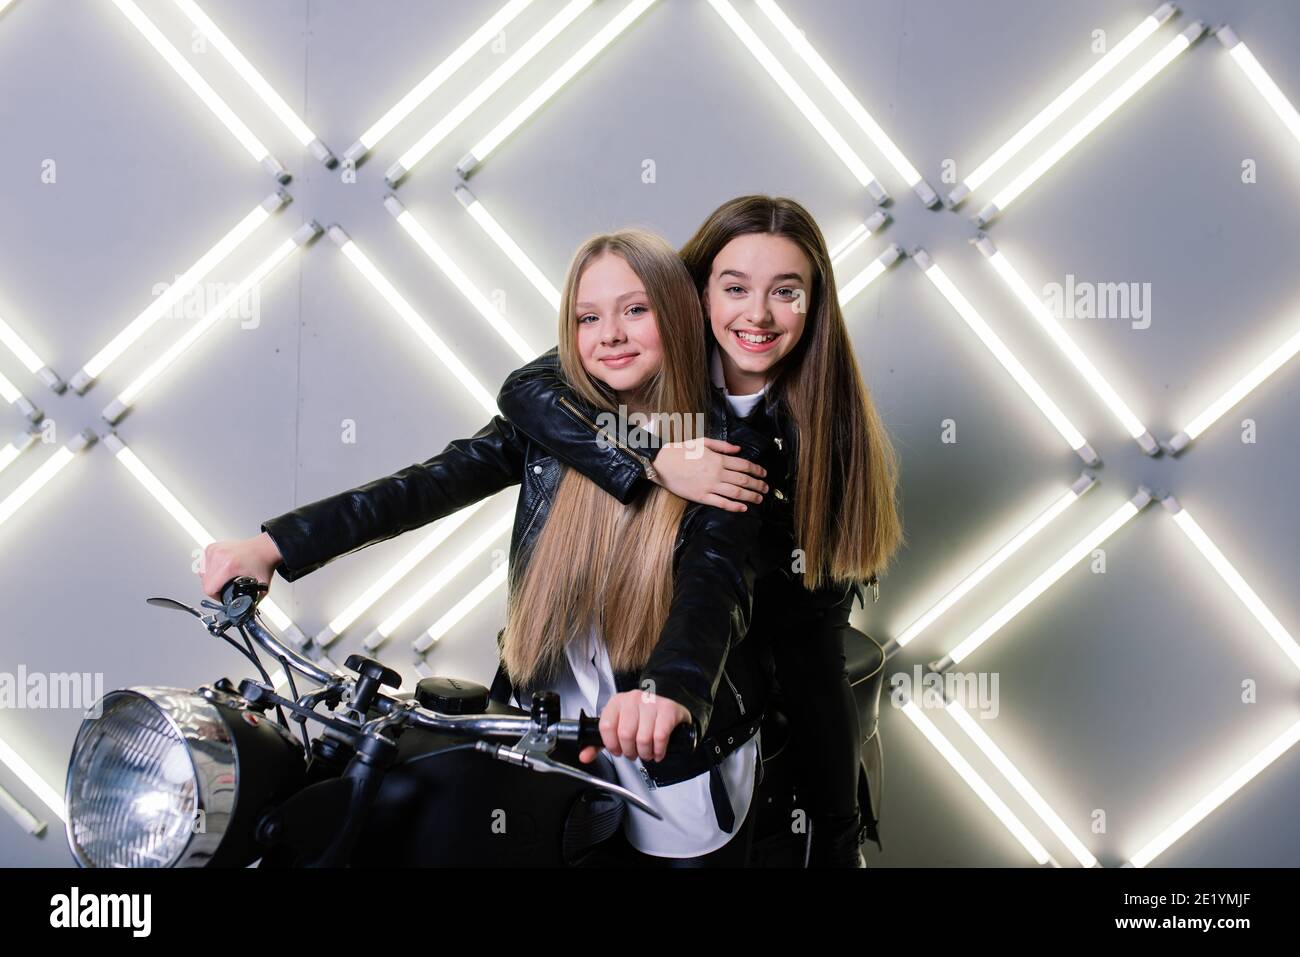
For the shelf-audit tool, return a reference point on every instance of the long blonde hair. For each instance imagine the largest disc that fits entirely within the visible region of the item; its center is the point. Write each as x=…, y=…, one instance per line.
x=597, y=563
x=846, y=514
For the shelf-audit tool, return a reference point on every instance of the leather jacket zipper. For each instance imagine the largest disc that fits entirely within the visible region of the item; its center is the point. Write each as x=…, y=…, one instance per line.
x=645, y=462
x=531, y=518
x=740, y=702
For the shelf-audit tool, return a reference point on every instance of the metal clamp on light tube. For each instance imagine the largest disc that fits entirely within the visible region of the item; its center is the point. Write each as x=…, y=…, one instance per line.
x=986, y=215
x=276, y=169
x=82, y=440
x=1067, y=97
x=1227, y=36
x=926, y=193
x=1177, y=443
x=323, y=153
x=306, y=234
x=1049, y=324
x=1005, y=357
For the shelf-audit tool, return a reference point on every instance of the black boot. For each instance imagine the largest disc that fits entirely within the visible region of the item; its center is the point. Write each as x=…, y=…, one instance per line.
x=836, y=842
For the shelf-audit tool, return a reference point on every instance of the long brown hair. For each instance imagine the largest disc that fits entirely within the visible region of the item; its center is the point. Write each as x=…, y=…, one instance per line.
x=846, y=512
x=597, y=563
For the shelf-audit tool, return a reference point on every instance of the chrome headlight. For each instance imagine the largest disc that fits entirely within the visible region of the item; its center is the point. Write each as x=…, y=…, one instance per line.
x=155, y=780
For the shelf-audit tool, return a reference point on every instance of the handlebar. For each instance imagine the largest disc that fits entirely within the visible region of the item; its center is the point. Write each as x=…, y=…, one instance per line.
x=277, y=649
x=583, y=731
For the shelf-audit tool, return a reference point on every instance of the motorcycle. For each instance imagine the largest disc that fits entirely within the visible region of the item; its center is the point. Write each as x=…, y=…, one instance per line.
x=443, y=776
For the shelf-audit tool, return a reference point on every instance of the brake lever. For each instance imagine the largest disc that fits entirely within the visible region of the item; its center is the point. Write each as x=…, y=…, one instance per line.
x=218, y=623
x=179, y=606
x=536, y=760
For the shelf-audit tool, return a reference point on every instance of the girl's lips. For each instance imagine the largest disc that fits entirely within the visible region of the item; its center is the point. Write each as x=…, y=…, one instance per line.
x=618, y=362
x=755, y=346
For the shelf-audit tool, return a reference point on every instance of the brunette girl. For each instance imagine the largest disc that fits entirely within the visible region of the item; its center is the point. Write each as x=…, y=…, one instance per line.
x=781, y=354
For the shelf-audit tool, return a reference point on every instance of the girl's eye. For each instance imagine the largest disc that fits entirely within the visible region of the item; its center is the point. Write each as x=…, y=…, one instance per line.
x=733, y=289
x=637, y=310
x=592, y=316
x=786, y=292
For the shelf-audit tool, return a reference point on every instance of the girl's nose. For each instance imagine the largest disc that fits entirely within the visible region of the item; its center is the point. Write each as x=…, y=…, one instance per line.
x=612, y=332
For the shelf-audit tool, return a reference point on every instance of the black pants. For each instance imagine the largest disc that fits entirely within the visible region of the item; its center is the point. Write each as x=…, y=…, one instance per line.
x=826, y=733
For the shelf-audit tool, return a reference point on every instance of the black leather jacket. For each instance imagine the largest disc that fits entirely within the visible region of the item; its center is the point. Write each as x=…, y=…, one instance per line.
x=538, y=401
x=699, y=661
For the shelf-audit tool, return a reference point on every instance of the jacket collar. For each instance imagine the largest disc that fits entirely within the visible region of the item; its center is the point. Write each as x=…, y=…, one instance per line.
x=719, y=380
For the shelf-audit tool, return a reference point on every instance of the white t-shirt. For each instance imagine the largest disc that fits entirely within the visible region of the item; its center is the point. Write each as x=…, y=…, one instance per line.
x=690, y=824
x=742, y=405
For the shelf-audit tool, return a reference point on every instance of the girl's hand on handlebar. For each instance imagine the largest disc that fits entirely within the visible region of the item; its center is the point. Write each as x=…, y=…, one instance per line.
x=701, y=470
x=636, y=724
x=222, y=561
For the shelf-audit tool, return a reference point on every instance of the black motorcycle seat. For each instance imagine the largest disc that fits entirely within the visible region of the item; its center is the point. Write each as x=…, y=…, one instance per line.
x=862, y=656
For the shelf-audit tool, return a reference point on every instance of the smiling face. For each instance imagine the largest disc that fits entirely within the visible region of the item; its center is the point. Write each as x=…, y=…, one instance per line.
x=757, y=300
x=618, y=332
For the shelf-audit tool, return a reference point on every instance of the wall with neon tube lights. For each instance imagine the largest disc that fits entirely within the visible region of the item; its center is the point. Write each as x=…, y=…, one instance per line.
x=252, y=254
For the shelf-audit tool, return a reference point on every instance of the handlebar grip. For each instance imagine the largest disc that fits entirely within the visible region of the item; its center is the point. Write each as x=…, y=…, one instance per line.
x=680, y=742
x=243, y=585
